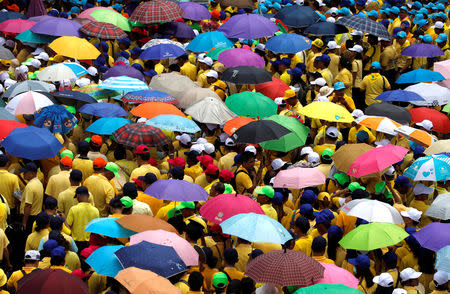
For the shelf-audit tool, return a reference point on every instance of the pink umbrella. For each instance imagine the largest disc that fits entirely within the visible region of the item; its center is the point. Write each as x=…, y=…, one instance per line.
x=182, y=247
x=16, y=26
x=443, y=67
x=240, y=57
x=298, y=178
x=337, y=275
x=87, y=13
x=27, y=103
x=224, y=206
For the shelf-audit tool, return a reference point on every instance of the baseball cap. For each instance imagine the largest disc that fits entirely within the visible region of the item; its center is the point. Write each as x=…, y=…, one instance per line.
x=355, y=185
x=321, y=217
x=306, y=150
x=114, y=168
x=376, y=65
x=97, y=140
x=251, y=149
x=361, y=261
x=141, y=149
x=279, y=101
x=357, y=113
x=324, y=58
x=403, y=180
x=66, y=161
x=306, y=209
x=278, y=163
x=327, y=153
x=438, y=25
x=29, y=167
x=401, y=34
x=205, y=160
x=318, y=43
x=341, y=178
x=441, y=38
x=211, y=169
x=332, y=132
x=441, y=277
x=285, y=61
x=289, y=93
x=356, y=48
x=384, y=280
x=319, y=82
x=332, y=45
x=32, y=255
x=220, y=280
x=58, y=252
x=426, y=124
x=308, y=196
x=362, y=136
x=226, y=174
x=399, y=291
x=412, y=213
x=313, y=158
x=212, y=74
x=209, y=148
x=150, y=73
x=339, y=86
x=186, y=204
x=265, y=190
x=177, y=161
x=229, y=142
x=99, y=162
x=421, y=189
x=356, y=33
x=409, y=274
x=68, y=153
x=126, y=201
x=207, y=60
x=426, y=38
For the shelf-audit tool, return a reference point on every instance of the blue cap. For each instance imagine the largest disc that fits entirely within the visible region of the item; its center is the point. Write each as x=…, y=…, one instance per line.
x=104, y=45
x=404, y=181
x=126, y=41
x=277, y=198
x=442, y=15
x=394, y=10
x=373, y=13
x=441, y=38
x=117, y=7
x=306, y=209
x=74, y=10
x=335, y=231
x=344, y=10
x=58, y=252
x=361, y=2
x=389, y=258
x=423, y=11
x=361, y=261
x=426, y=38
x=63, y=14
x=137, y=66
x=375, y=65
x=362, y=135
x=308, y=196
x=418, y=150
x=53, y=12
x=339, y=86
x=404, y=8
x=361, y=14
x=136, y=50
x=405, y=23
x=324, y=58
x=321, y=217
x=295, y=71
x=285, y=61
x=276, y=6
x=417, y=5
x=422, y=22
x=401, y=34
x=150, y=73
x=49, y=245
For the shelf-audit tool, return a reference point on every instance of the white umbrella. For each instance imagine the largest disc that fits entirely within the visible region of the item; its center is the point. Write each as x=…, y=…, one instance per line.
x=433, y=94
x=154, y=42
x=56, y=72
x=379, y=124
x=440, y=208
x=27, y=103
x=211, y=111
x=193, y=95
x=173, y=84
x=373, y=211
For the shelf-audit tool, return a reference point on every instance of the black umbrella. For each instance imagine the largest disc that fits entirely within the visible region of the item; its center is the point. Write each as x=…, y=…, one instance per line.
x=260, y=131
x=297, y=16
x=325, y=29
x=246, y=75
x=397, y=113
x=73, y=98
x=365, y=25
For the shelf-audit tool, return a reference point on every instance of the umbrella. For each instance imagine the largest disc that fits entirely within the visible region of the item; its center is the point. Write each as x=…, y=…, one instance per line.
x=284, y=268
x=210, y=111
x=441, y=146
x=8, y=126
x=138, y=281
x=440, y=207
x=162, y=51
x=396, y=113
x=104, y=262
x=373, y=211
x=206, y=41
x=55, y=118
x=6, y=115
x=233, y=124
x=28, y=103
x=336, y=275
x=160, y=259
x=418, y=136
x=123, y=83
x=156, y=11
x=36, y=8
x=103, y=30
x=11, y=15
x=111, y=17
x=297, y=16
x=237, y=3
x=255, y=227
x=15, y=26
x=74, y=47
x=214, y=53
x=376, y=160
x=399, y=95
x=51, y=281
x=443, y=259
x=365, y=25
x=194, y=11
x=297, y=137
x=347, y=154
x=443, y=68
x=373, y=236
x=97, y=93
x=30, y=37
x=103, y=110
x=325, y=28
x=82, y=21
x=298, y=178
x=273, y=89
x=25, y=86
x=6, y=54
x=288, y=43
x=432, y=94
x=73, y=98
x=154, y=42
x=248, y=26
x=144, y=96
x=224, y=206
x=434, y=236
x=419, y=75
x=328, y=288
x=57, y=27
x=61, y=71
x=379, y=124
x=87, y=12
x=108, y=226
x=171, y=122
x=178, y=29
x=38, y=18
x=441, y=123
x=240, y=57
x=182, y=247
x=141, y=223
x=151, y=109
x=260, y=131
x=422, y=50
x=246, y=75
x=173, y=84
x=328, y=111
x=251, y=104
x=124, y=70
x=107, y=125
x=195, y=94
x=176, y=190
x=31, y=143
x=140, y=134
x=429, y=168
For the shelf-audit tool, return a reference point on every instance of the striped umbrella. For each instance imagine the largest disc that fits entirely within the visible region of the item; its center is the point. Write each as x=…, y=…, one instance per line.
x=95, y=92
x=379, y=123
x=148, y=96
x=123, y=83
x=416, y=135
x=430, y=168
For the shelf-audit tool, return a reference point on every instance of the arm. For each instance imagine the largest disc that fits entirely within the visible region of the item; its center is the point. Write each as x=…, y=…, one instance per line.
x=407, y=65
x=26, y=214
x=396, y=196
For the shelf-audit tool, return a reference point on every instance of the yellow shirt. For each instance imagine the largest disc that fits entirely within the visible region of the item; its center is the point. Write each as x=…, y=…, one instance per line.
x=357, y=70
x=143, y=170
x=127, y=166
x=322, y=259
x=10, y=184
x=352, y=134
x=347, y=99
x=102, y=192
x=85, y=166
x=34, y=195
x=286, y=78
x=58, y=183
x=34, y=239
x=233, y=273
x=61, y=268
x=373, y=53
x=96, y=283
x=202, y=80
x=193, y=171
x=243, y=180
x=17, y=275
x=243, y=251
x=374, y=84
x=334, y=63
x=270, y=211
x=401, y=60
x=79, y=216
x=66, y=199
x=201, y=180
x=328, y=76
x=386, y=58
x=346, y=77
x=154, y=203
x=189, y=70
x=159, y=68
x=227, y=161
x=4, y=242
x=72, y=261
x=304, y=244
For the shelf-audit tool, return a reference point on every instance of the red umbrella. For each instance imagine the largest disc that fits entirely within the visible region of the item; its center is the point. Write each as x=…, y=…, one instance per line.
x=51, y=281
x=140, y=134
x=103, y=30
x=156, y=11
x=441, y=123
x=285, y=268
x=273, y=89
x=8, y=126
x=16, y=25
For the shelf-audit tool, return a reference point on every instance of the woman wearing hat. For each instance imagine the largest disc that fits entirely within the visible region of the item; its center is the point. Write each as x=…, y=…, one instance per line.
x=365, y=277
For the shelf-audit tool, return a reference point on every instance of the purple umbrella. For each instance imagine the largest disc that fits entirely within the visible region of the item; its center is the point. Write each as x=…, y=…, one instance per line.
x=248, y=26
x=178, y=29
x=422, y=50
x=35, y=8
x=176, y=190
x=40, y=18
x=124, y=70
x=434, y=236
x=57, y=27
x=240, y=57
x=194, y=11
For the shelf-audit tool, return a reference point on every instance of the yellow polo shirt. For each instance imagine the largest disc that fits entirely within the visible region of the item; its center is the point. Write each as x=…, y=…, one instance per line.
x=10, y=184
x=304, y=244
x=34, y=195
x=270, y=211
x=4, y=242
x=101, y=190
x=79, y=216
x=193, y=171
x=189, y=70
x=243, y=180
x=85, y=166
x=34, y=239
x=17, y=275
x=143, y=170
x=58, y=183
x=374, y=84
x=66, y=199
x=154, y=203
x=346, y=77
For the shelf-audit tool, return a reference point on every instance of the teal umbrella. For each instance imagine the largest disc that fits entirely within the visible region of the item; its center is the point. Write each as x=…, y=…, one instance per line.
x=297, y=137
x=328, y=288
x=251, y=104
x=30, y=37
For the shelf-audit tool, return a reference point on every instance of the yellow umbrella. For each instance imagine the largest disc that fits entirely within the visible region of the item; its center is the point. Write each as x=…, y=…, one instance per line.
x=327, y=111
x=438, y=147
x=74, y=47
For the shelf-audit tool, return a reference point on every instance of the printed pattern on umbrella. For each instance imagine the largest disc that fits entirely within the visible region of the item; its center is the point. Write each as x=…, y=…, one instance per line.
x=148, y=96
x=103, y=30
x=56, y=119
x=365, y=25
x=140, y=134
x=156, y=11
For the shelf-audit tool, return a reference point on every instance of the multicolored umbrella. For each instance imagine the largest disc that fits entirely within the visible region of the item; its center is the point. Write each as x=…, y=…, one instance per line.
x=28, y=85
x=433, y=94
x=103, y=110
x=288, y=43
x=15, y=26
x=123, y=83
x=144, y=96
x=233, y=124
x=373, y=211
x=298, y=178
x=206, y=41
x=251, y=104
x=246, y=75
x=61, y=71
x=297, y=16
x=97, y=93
x=108, y=226
x=325, y=28
x=138, y=280
x=140, y=134
x=104, y=262
x=8, y=126
x=55, y=118
x=240, y=57
x=210, y=110
x=365, y=25
x=103, y=30
x=162, y=51
x=273, y=89
x=441, y=123
x=297, y=137
x=434, y=236
x=176, y=190
x=379, y=124
x=248, y=26
x=121, y=70
x=373, y=236
x=214, y=53
x=28, y=103
x=440, y=207
x=194, y=11
x=418, y=136
x=328, y=111
x=422, y=50
x=30, y=37
x=328, y=288
x=156, y=11
x=57, y=26
x=260, y=131
x=74, y=47
x=418, y=76
x=394, y=112
x=347, y=154
x=141, y=223
x=399, y=95
x=51, y=281
x=171, y=122
x=112, y=17
x=429, y=168
x=154, y=42
x=151, y=109
x=337, y=275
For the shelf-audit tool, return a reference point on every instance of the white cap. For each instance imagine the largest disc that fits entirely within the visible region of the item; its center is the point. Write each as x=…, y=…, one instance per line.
x=421, y=189
x=261, y=46
x=229, y=142
x=251, y=149
x=330, y=19
x=332, y=44
x=92, y=71
x=8, y=83
x=332, y=132
x=1, y=88
x=306, y=150
x=4, y=76
x=43, y=56
x=357, y=113
x=212, y=74
x=321, y=4
x=299, y=2
x=438, y=25
x=357, y=33
x=319, y=82
x=356, y=48
x=441, y=277
x=409, y=274
x=413, y=214
x=313, y=158
x=22, y=69
x=426, y=124
x=334, y=11
x=142, y=120
x=223, y=136
x=184, y=139
x=201, y=141
x=38, y=51
x=278, y=163
x=390, y=171
x=82, y=82
x=209, y=148
x=206, y=60
x=383, y=142
x=35, y=63
x=384, y=280
x=399, y=291
x=198, y=148
x=32, y=255
x=279, y=101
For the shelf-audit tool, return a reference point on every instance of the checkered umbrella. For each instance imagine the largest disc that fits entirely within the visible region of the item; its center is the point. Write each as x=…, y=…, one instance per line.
x=140, y=134
x=103, y=30
x=285, y=268
x=365, y=25
x=156, y=11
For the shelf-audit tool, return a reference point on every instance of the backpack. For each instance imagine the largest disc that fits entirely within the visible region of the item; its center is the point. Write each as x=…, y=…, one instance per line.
x=233, y=180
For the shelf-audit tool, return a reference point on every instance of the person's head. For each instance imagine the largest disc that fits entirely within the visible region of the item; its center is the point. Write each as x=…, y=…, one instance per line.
x=230, y=256
x=142, y=154
x=220, y=282
x=95, y=143
x=284, y=64
x=120, y=152
x=111, y=171
x=191, y=157
x=75, y=177
x=211, y=172
x=116, y=206
x=130, y=190
x=401, y=37
x=147, y=180
x=385, y=283
x=411, y=217
x=29, y=171
x=83, y=148
x=217, y=189
x=65, y=163
x=212, y=76
x=440, y=280
x=50, y=205
x=57, y=256
x=194, y=231
x=265, y=194
x=187, y=208
x=32, y=258
x=318, y=246
x=390, y=260
x=248, y=160
x=4, y=161
x=375, y=67
x=402, y=184
x=127, y=205
x=301, y=226
x=339, y=89
x=247, y=285
x=42, y=221
x=82, y=194
x=421, y=192
x=99, y=164
x=409, y=277
x=195, y=281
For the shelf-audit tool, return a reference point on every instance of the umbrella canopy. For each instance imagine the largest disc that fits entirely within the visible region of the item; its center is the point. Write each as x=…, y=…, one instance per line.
x=260, y=131
x=441, y=123
x=51, y=281
x=57, y=26
x=214, y=53
x=432, y=94
x=328, y=288
x=195, y=94
x=86, y=14
x=440, y=207
x=325, y=29
x=429, y=168
x=140, y=134
x=273, y=89
x=111, y=17
x=103, y=30
x=373, y=211
x=124, y=70
x=162, y=51
x=104, y=262
x=28, y=85
x=31, y=143
x=156, y=11
x=141, y=223
x=103, y=110
x=206, y=41
x=336, y=275
x=107, y=125
x=237, y=3
x=73, y=98
x=210, y=110
x=11, y=15
x=144, y=96
x=379, y=124
x=15, y=26
x=173, y=84
x=347, y=154
x=123, y=83
x=151, y=109
x=441, y=146
x=28, y=103
x=8, y=126
x=284, y=268
x=248, y=26
x=298, y=178
x=176, y=190
x=241, y=57
x=178, y=29
x=373, y=236
x=365, y=25
x=143, y=281
x=6, y=115
x=443, y=259
x=30, y=37
x=399, y=95
x=417, y=136
x=297, y=16
x=233, y=124
x=443, y=67
x=97, y=93
x=108, y=226
x=397, y=113
x=61, y=71
x=297, y=137
x=446, y=108
x=434, y=236
x=418, y=76
x=194, y=11
x=154, y=42
x=328, y=111
x=288, y=43
x=251, y=104
x=246, y=75
x=55, y=118
x=74, y=47
x=422, y=50
x=6, y=54
x=39, y=18
x=171, y=122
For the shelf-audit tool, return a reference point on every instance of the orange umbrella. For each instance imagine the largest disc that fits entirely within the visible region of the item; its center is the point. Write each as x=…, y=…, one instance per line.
x=379, y=123
x=233, y=124
x=139, y=281
x=141, y=223
x=151, y=109
x=417, y=136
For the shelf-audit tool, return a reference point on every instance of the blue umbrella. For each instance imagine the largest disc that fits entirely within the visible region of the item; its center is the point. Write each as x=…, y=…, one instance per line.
x=103, y=110
x=76, y=68
x=160, y=259
x=11, y=15
x=399, y=95
x=325, y=29
x=248, y=26
x=6, y=115
x=176, y=190
x=31, y=143
x=104, y=262
x=422, y=50
x=288, y=43
x=174, y=123
x=297, y=16
x=433, y=168
x=73, y=98
x=162, y=51
x=123, y=83
x=55, y=118
x=419, y=75
x=443, y=259
x=206, y=41
x=108, y=226
x=107, y=125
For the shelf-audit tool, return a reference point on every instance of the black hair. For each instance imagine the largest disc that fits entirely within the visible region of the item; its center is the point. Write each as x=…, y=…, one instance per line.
x=194, y=230
x=426, y=261
x=130, y=190
x=195, y=281
x=246, y=156
x=366, y=274
x=120, y=153
x=319, y=244
x=345, y=63
x=303, y=224
x=178, y=223
x=220, y=187
x=174, y=67
x=144, y=156
x=247, y=285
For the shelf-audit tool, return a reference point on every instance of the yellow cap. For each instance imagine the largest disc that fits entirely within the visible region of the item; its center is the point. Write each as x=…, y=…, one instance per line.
x=322, y=195
x=289, y=94
x=318, y=43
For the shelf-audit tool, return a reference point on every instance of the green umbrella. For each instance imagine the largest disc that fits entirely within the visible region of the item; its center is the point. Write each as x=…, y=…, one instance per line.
x=373, y=236
x=30, y=37
x=328, y=288
x=112, y=17
x=251, y=104
x=292, y=140
x=446, y=108
x=214, y=54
